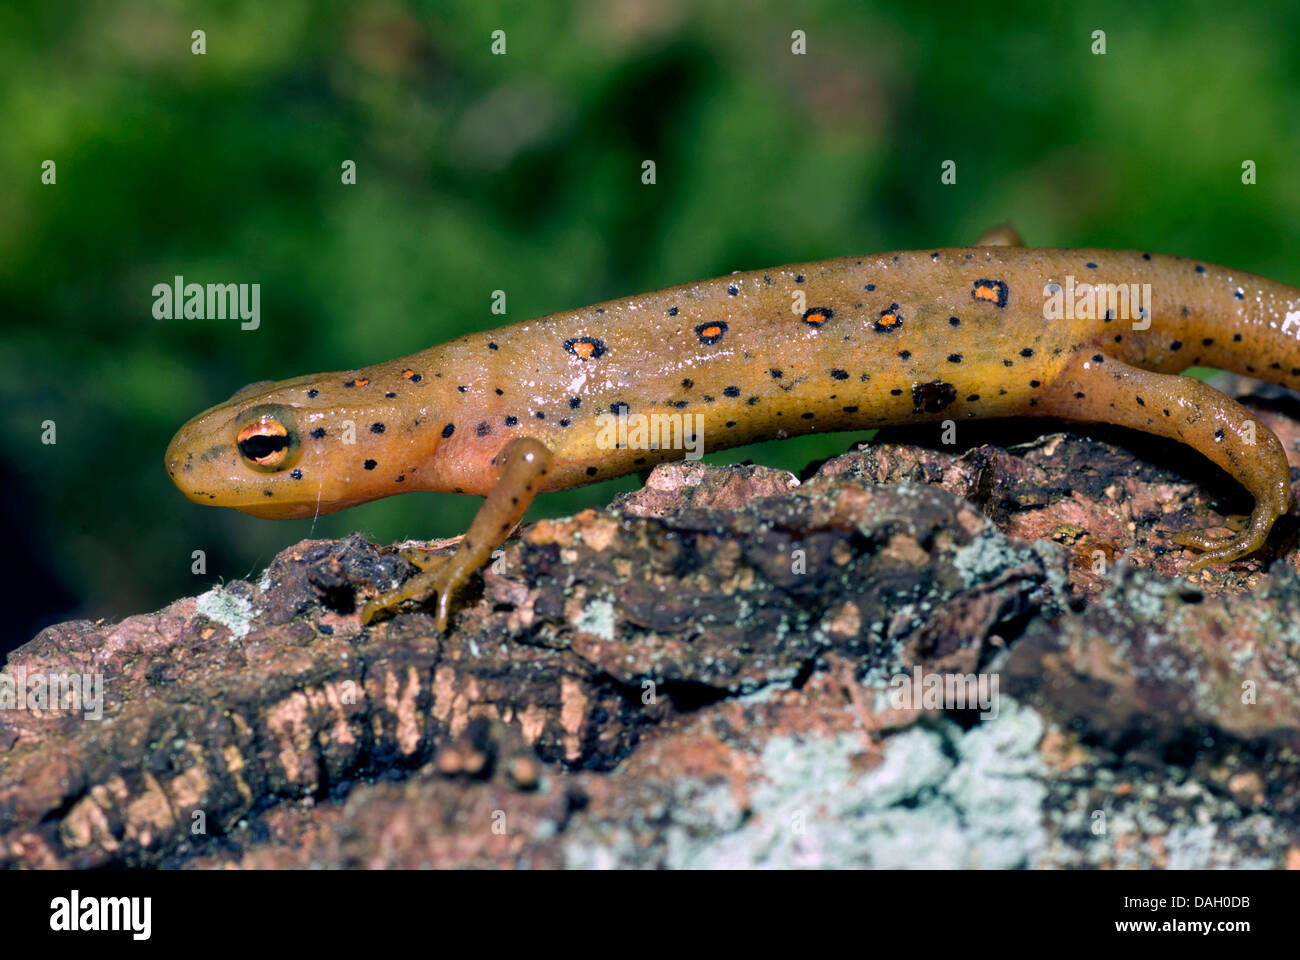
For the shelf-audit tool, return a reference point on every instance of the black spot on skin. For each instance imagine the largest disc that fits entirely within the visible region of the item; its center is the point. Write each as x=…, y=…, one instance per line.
x=592, y=471
x=1295, y=371
x=318, y=433
x=1098, y=358
x=776, y=374
x=1078, y=396
x=376, y=428
x=905, y=354
x=499, y=392
x=493, y=346
x=512, y=421
x=707, y=398
x=687, y=384
x=895, y=393
x=596, y=351
x=1239, y=294
x=1176, y=345
x=1249, y=368
x=267, y=493
x=619, y=408
x=1027, y=352
x=954, y=358
x=840, y=374
x=730, y=424
x=807, y=416
x=990, y=291
x=370, y=464
x=731, y=391
x=448, y=430
x=483, y=429
x=752, y=400
x=954, y=321
x=672, y=311
x=1207, y=341
x=540, y=414
x=639, y=460
x=732, y=289
x=799, y=278
x=1218, y=434
x=417, y=377
x=296, y=473
x=575, y=403
x=390, y=395
x=850, y=409
x=933, y=396
x=1119, y=337
x=1035, y=383
x=1141, y=402
x=681, y=404
x=1275, y=365
x=710, y=333
x=565, y=422
x=1200, y=268
x=401, y=478
x=1146, y=256
x=972, y=398
x=1166, y=411
x=463, y=389
x=312, y=394
x=870, y=286
x=1090, y=265
x=1236, y=338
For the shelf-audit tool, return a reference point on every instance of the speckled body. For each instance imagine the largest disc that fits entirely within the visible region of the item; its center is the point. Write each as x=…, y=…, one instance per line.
x=850, y=343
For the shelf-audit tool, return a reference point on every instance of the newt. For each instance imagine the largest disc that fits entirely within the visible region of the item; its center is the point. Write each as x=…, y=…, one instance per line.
x=993, y=330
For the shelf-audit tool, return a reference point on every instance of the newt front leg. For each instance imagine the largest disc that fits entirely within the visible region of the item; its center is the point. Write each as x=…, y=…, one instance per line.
x=1097, y=387
x=524, y=464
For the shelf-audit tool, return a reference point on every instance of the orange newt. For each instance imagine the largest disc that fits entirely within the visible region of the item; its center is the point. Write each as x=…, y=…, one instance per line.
x=993, y=330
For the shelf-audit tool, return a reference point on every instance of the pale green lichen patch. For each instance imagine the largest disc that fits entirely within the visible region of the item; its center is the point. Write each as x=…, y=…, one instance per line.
x=232, y=612
x=989, y=554
x=598, y=619
x=941, y=798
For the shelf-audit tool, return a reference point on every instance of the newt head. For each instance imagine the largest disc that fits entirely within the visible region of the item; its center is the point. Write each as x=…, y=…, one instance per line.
x=294, y=448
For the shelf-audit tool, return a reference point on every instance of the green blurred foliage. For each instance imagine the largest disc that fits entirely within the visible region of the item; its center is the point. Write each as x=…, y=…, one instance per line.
x=522, y=172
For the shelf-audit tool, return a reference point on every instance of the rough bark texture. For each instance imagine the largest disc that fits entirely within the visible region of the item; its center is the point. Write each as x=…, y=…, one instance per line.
x=696, y=676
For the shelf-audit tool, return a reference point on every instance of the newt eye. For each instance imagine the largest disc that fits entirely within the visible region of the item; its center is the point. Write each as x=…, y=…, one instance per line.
x=267, y=439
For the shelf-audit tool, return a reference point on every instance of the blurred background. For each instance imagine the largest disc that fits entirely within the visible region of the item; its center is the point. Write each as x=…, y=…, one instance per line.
x=522, y=172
